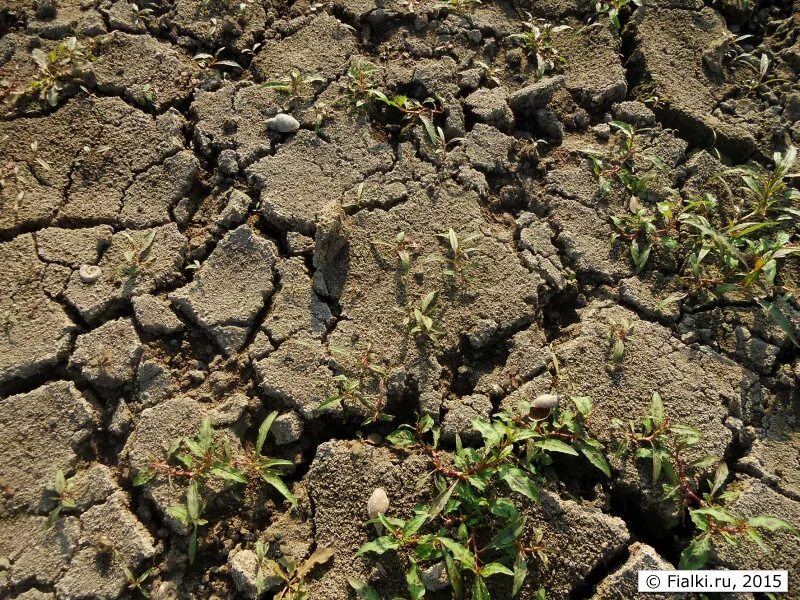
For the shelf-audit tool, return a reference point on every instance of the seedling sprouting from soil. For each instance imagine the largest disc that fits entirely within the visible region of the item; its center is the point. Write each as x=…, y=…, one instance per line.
x=212, y=62
x=460, y=259
x=538, y=44
x=189, y=515
x=138, y=582
x=420, y=322
x=618, y=333
x=489, y=72
x=437, y=138
x=364, y=384
x=740, y=255
x=404, y=249
x=208, y=457
x=621, y=165
x=359, y=82
x=762, y=69
x=613, y=8
x=63, y=63
x=666, y=444
x=138, y=255
x=63, y=495
x=461, y=7
x=295, y=85
x=294, y=575
x=474, y=525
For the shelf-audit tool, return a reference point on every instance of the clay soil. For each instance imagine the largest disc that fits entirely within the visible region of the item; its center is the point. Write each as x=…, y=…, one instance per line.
x=172, y=251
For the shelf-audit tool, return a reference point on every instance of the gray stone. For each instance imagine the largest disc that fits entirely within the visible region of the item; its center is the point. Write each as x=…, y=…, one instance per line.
x=634, y=112
x=236, y=210
x=41, y=432
x=108, y=356
x=72, y=247
x=623, y=583
x=283, y=123
x=154, y=316
x=38, y=555
x=489, y=106
x=287, y=428
x=488, y=149
x=535, y=96
x=244, y=570
x=297, y=243
x=230, y=288
x=459, y=416
x=228, y=163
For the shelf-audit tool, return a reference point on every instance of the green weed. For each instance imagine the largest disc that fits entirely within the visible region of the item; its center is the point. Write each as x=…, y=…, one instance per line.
x=459, y=263
x=665, y=444
x=64, y=497
x=420, y=322
x=294, y=575
x=404, y=248
x=538, y=44
x=65, y=62
x=475, y=525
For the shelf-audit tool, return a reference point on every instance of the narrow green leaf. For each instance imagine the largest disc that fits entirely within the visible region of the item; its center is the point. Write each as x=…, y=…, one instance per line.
x=266, y=424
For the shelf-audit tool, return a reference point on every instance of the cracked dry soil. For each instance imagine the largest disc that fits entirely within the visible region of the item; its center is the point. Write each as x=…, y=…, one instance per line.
x=253, y=240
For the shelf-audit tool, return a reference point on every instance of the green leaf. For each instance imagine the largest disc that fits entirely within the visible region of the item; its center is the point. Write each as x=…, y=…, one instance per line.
x=178, y=512
x=441, y=501
x=193, y=502
x=192, y=545
x=266, y=424
x=771, y=524
x=696, y=554
x=59, y=482
x=520, y=573
x=554, y=445
x=596, y=457
x=379, y=545
x=414, y=583
x=657, y=409
x=454, y=575
x=228, y=473
x=491, y=436
x=402, y=438
x=657, y=455
x=460, y=553
x=583, y=404
x=479, y=589
x=496, y=569
x=364, y=591
x=319, y=557
x=52, y=517
x=142, y=477
x=278, y=484
x=518, y=481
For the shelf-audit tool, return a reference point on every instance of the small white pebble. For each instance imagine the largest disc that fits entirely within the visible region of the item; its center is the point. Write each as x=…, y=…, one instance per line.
x=283, y=123
x=90, y=273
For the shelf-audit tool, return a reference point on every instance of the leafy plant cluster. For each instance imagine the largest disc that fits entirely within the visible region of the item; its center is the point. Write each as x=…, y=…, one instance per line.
x=737, y=253
x=207, y=460
x=291, y=574
x=612, y=9
x=62, y=64
x=538, y=43
x=666, y=445
x=476, y=526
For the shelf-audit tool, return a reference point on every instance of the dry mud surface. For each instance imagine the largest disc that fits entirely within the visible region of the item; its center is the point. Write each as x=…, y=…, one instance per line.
x=261, y=260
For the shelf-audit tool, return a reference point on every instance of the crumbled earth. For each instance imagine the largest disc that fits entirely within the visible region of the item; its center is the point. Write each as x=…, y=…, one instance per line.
x=202, y=223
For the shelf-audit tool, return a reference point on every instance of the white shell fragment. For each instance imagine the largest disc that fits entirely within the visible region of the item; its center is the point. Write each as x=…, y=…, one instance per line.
x=378, y=503
x=89, y=273
x=283, y=123
x=546, y=401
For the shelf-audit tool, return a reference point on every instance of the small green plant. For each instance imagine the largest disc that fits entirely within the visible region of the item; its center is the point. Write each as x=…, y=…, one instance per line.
x=63, y=495
x=420, y=322
x=538, y=44
x=613, y=8
x=65, y=62
x=665, y=444
x=618, y=333
x=620, y=165
x=138, y=255
x=295, y=85
x=763, y=77
x=364, y=385
x=359, y=82
x=294, y=575
x=212, y=62
x=460, y=261
x=138, y=582
x=141, y=16
x=474, y=525
x=739, y=255
x=437, y=138
x=461, y=7
x=404, y=248
x=208, y=457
